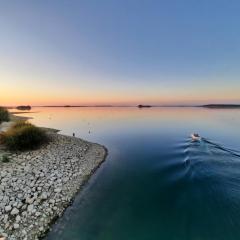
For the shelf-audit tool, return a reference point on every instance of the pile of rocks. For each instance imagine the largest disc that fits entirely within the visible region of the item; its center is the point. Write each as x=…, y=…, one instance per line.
x=36, y=186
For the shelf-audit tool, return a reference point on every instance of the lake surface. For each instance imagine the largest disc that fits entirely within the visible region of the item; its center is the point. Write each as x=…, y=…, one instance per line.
x=156, y=183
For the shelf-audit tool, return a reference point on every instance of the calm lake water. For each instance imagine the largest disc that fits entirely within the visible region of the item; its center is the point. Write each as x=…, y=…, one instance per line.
x=156, y=183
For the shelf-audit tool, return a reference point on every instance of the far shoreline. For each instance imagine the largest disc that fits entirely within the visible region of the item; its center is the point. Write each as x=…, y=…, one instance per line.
x=132, y=106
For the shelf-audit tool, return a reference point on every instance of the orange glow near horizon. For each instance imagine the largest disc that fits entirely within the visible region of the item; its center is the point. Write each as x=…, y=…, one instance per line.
x=15, y=97
x=16, y=91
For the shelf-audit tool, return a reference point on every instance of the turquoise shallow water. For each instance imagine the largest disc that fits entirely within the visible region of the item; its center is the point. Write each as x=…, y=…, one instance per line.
x=156, y=183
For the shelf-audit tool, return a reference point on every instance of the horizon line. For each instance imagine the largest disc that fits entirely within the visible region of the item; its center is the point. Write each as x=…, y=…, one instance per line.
x=138, y=105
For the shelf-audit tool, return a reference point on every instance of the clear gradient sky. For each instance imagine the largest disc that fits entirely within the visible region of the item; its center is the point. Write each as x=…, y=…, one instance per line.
x=119, y=52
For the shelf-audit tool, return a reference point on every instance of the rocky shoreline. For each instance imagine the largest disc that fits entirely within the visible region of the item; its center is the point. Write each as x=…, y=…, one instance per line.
x=37, y=186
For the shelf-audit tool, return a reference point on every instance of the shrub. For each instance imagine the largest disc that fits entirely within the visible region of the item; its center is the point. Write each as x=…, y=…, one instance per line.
x=4, y=115
x=5, y=158
x=20, y=124
x=24, y=136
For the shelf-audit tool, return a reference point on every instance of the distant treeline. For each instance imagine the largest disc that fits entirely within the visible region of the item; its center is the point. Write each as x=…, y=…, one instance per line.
x=139, y=106
x=4, y=115
x=222, y=106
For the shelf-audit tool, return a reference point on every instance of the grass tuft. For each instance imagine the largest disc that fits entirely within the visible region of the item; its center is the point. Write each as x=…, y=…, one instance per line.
x=4, y=115
x=23, y=136
x=5, y=159
x=20, y=124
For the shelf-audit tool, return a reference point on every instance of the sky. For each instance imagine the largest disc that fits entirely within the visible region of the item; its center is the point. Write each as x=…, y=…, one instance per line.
x=127, y=52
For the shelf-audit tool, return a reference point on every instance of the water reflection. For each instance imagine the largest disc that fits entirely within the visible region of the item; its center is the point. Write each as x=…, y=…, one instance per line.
x=156, y=182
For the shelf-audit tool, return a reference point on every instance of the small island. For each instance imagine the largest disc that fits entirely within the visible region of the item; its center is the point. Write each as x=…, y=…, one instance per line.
x=23, y=107
x=144, y=106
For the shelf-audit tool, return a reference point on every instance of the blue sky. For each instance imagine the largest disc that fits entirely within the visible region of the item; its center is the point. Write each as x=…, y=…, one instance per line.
x=162, y=52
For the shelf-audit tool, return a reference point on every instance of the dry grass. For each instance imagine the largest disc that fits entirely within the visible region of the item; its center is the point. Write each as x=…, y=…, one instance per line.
x=4, y=115
x=23, y=136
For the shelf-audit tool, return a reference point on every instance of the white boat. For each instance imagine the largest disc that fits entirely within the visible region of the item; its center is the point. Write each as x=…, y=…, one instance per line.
x=195, y=137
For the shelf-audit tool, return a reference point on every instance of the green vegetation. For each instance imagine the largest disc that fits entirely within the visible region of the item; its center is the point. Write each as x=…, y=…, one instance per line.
x=5, y=158
x=23, y=136
x=4, y=115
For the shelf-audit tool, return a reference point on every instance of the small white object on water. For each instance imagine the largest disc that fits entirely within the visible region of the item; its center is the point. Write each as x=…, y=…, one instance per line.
x=195, y=137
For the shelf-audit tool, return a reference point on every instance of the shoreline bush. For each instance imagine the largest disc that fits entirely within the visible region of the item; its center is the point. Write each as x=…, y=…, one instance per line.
x=20, y=124
x=5, y=158
x=24, y=136
x=4, y=115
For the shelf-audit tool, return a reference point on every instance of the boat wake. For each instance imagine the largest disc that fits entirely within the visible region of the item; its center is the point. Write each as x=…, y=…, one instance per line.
x=202, y=160
x=206, y=150
x=219, y=147
x=202, y=181
x=212, y=167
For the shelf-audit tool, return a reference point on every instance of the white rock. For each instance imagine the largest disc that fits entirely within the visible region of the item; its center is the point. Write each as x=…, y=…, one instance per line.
x=42, y=175
x=20, y=195
x=3, y=173
x=37, y=214
x=15, y=211
x=57, y=190
x=44, y=196
x=29, y=200
x=5, y=219
x=52, y=201
x=30, y=208
x=16, y=225
x=8, y=208
x=18, y=218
